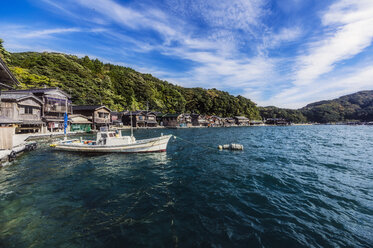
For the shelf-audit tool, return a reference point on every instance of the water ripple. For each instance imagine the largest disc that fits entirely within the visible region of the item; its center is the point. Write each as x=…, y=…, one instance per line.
x=290, y=187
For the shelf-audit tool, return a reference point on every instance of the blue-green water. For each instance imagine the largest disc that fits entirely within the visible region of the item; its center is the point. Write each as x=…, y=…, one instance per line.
x=304, y=186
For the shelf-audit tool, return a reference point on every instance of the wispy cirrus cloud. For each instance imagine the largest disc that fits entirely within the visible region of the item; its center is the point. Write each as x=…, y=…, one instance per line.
x=349, y=27
x=260, y=48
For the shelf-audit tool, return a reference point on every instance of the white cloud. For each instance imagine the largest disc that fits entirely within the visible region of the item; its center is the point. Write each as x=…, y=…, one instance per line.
x=351, y=24
x=355, y=79
x=46, y=32
x=227, y=43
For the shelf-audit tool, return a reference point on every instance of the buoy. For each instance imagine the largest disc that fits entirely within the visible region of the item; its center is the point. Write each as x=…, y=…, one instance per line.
x=231, y=147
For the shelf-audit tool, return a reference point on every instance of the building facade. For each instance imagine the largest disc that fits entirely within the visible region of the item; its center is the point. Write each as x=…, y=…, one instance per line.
x=79, y=123
x=24, y=110
x=55, y=103
x=99, y=115
x=140, y=118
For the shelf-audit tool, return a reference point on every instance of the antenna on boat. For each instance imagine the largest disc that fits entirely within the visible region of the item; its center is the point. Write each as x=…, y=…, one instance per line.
x=131, y=123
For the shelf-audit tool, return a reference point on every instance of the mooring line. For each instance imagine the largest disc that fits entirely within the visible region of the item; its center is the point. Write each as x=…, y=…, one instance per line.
x=193, y=143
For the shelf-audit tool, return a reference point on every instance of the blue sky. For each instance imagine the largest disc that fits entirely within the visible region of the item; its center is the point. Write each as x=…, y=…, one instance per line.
x=285, y=53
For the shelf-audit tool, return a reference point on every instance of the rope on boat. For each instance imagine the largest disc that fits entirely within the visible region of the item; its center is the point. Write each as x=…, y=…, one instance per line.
x=193, y=143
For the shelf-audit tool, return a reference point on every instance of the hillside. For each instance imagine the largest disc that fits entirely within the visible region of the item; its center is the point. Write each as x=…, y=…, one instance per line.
x=90, y=81
x=357, y=106
x=292, y=115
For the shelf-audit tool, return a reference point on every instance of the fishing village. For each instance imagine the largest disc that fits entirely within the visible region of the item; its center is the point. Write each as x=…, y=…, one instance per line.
x=242, y=123
x=30, y=115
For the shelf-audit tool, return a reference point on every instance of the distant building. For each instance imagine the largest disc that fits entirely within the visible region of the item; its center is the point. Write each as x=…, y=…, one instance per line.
x=277, y=121
x=55, y=103
x=79, y=123
x=116, y=118
x=241, y=121
x=214, y=121
x=256, y=123
x=99, y=115
x=140, y=118
x=199, y=120
x=228, y=121
x=172, y=120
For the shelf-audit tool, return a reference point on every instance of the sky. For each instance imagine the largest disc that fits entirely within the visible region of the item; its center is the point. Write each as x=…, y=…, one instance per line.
x=284, y=53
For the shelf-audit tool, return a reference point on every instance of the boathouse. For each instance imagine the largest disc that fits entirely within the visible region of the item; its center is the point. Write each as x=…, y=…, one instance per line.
x=199, y=120
x=277, y=121
x=177, y=120
x=55, y=103
x=214, y=121
x=140, y=118
x=79, y=123
x=23, y=109
x=228, y=121
x=241, y=121
x=116, y=118
x=99, y=115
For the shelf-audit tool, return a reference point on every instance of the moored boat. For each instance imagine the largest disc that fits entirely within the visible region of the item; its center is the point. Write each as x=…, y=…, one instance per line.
x=110, y=141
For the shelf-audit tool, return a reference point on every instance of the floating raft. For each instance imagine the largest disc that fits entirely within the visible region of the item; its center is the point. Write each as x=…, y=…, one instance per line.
x=232, y=146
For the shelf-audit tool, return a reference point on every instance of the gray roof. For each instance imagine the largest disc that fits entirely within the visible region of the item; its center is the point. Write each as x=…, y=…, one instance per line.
x=241, y=117
x=41, y=91
x=89, y=107
x=16, y=96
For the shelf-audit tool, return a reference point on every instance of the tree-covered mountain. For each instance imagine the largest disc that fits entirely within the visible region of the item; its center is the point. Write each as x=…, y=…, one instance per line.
x=357, y=106
x=291, y=115
x=89, y=81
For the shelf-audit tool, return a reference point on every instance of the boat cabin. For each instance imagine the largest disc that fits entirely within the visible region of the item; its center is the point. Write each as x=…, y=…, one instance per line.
x=113, y=138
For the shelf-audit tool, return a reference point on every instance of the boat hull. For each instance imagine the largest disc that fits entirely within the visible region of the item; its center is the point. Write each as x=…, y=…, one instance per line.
x=147, y=145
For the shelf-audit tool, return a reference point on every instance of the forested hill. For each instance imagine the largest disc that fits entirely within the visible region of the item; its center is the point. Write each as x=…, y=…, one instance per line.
x=90, y=81
x=357, y=106
x=93, y=82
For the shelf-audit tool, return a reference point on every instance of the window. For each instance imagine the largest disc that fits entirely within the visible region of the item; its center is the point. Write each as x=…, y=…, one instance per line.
x=28, y=110
x=103, y=115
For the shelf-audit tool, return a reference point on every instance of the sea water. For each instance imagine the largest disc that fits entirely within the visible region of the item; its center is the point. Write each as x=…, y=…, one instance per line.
x=296, y=186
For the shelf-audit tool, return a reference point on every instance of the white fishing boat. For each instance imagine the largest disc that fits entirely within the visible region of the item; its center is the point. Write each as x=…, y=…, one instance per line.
x=113, y=141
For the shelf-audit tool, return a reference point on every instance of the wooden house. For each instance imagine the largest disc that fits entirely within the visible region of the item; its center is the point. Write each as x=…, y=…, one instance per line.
x=199, y=120
x=277, y=121
x=241, y=121
x=256, y=123
x=116, y=118
x=79, y=123
x=214, y=121
x=229, y=121
x=23, y=109
x=99, y=115
x=55, y=103
x=173, y=120
x=140, y=118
